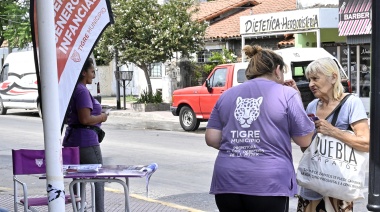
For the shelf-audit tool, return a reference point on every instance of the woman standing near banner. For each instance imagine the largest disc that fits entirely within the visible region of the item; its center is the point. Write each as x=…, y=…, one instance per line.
x=85, y=113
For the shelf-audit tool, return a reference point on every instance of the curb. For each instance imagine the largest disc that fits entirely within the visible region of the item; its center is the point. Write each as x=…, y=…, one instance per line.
x=166, y=116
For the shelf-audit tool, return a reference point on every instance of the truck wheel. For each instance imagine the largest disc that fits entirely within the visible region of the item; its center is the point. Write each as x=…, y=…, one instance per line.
x=3, y=110
x=187, y=119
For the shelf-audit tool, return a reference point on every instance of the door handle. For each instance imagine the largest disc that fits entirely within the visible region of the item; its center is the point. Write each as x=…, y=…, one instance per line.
x=221, y=91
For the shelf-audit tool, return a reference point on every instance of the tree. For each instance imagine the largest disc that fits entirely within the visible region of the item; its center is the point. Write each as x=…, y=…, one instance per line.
x=217, y=58
x=146, y=32
x=15, y=23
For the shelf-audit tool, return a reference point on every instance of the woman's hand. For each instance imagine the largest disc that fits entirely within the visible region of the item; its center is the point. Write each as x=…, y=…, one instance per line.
x=104, y=117
x=291, y=83
x=359, y=140
x=85, y=117
x=325, y=127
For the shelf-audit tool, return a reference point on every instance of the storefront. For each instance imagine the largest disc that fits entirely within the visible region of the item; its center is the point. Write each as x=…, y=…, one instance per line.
x=311, y=27
x=355, y=23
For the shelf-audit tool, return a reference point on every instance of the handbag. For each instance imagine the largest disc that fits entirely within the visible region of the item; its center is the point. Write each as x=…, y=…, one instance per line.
x=332, y=168
x=98, y=130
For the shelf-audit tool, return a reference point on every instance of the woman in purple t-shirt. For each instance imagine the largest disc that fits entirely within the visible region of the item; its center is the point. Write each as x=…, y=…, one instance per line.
x=85, y=112
x=252, y=125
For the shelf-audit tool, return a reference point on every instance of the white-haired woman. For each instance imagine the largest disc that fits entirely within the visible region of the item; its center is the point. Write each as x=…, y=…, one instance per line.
x=325, y=83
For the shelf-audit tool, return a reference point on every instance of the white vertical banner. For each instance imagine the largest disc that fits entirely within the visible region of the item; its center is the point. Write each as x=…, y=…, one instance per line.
x=64, y=33
x=78, y=25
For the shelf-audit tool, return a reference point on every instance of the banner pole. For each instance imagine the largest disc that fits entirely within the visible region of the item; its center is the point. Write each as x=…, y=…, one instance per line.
x=50, y=104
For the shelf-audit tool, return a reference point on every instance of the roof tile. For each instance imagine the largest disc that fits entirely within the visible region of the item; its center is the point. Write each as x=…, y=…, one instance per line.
x=208, y=10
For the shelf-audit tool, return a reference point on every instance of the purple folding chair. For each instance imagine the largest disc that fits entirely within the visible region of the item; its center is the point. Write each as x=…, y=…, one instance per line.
x=26, y=162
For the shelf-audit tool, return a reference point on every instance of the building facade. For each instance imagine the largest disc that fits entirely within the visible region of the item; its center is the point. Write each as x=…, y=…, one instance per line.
x=355, y=25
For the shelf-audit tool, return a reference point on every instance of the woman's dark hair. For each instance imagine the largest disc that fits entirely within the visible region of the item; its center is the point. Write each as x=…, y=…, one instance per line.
x=87, y=64
x=262, y=61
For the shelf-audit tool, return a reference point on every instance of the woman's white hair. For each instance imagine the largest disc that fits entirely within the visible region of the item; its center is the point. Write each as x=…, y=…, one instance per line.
x=328, y=67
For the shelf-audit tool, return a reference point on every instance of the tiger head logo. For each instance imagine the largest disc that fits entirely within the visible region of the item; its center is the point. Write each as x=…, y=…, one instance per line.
x=39, y=162
x=247, y=110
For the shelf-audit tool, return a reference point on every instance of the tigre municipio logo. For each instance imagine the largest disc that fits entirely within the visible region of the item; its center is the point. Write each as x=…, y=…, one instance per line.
x=75, y=56
x=247, y=110
x=39, y=162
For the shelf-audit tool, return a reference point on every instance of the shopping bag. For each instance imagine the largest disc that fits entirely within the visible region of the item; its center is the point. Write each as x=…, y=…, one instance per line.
x=332, y=168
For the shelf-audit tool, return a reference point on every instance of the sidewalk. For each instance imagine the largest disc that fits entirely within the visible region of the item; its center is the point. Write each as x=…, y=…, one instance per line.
x=113, y=201
x=129, y=112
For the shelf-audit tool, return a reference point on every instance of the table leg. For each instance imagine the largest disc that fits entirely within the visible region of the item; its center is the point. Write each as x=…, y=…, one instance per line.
x=121, y=182
x=83, y=196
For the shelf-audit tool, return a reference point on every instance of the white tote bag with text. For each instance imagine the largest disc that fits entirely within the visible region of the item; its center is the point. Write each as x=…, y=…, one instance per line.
x=332, y=168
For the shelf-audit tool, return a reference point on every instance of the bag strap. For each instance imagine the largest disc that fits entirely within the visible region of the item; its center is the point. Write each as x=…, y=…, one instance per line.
x=337, y=110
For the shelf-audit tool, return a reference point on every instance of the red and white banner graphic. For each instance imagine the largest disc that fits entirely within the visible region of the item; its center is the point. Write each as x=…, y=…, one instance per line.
x=78, y=25
x=355, y=17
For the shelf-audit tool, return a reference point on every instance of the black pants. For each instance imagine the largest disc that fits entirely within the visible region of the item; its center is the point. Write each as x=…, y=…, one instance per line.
x=248, y=203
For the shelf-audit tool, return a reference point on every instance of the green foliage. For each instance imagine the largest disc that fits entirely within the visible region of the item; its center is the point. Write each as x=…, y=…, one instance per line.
x=147, y=97
x=130, y=98
x=226, y=56
x=201, y=71
x=146, y=32
x=14, y=23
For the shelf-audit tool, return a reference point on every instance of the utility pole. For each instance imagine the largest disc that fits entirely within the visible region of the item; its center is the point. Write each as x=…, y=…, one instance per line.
x=374, y=153
x=117, y=69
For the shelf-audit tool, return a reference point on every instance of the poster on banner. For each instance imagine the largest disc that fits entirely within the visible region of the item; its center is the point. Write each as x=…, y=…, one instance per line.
x=78, y=26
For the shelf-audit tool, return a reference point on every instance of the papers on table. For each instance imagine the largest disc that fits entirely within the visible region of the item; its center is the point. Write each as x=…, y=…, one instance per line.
x=81, y=168
x=140, y=168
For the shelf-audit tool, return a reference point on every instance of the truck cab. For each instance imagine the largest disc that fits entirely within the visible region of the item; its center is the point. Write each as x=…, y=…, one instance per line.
x=194, y=104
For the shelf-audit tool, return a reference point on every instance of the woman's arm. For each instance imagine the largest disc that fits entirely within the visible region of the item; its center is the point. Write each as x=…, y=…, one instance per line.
x=359, y=140
x=213, y=137
x=303, y=141
x=85, y=117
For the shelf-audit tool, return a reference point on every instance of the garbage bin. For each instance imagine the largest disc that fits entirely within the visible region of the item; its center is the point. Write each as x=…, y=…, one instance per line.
x=123, y=75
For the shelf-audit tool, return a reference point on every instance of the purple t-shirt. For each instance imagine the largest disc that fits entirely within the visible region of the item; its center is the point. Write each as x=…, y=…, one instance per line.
x=257, y=120
x=81, y=137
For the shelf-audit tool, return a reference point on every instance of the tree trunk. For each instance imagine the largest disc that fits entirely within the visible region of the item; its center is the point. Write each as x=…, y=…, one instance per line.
x=146, y=70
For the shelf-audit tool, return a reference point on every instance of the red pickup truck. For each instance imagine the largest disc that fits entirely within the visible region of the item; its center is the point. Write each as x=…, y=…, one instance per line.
x=194, y=104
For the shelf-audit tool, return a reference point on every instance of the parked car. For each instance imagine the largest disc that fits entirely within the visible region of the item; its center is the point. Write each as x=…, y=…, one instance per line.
x=194, y=104
x=18, y=83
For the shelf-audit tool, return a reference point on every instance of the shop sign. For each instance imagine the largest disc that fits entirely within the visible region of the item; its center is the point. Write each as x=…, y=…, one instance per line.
x=282, y=21
x=355, y=17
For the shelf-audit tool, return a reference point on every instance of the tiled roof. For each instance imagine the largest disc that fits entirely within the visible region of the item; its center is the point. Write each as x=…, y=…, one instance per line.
x=229, y=27
x=286, y=43
x=212, y=9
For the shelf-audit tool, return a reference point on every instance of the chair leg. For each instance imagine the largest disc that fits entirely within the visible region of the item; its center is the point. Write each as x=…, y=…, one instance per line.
x=151, y=169
x=93, y=197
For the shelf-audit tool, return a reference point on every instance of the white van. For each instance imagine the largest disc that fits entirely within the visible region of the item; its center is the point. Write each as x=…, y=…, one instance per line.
x=297, y=59
x=18, y=83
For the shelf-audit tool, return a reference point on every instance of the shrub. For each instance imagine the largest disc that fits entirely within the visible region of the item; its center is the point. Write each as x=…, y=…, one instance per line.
x=147, y=97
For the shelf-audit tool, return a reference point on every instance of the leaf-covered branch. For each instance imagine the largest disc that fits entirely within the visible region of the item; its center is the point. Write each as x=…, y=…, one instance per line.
x=146, y=32
x=14, y=23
